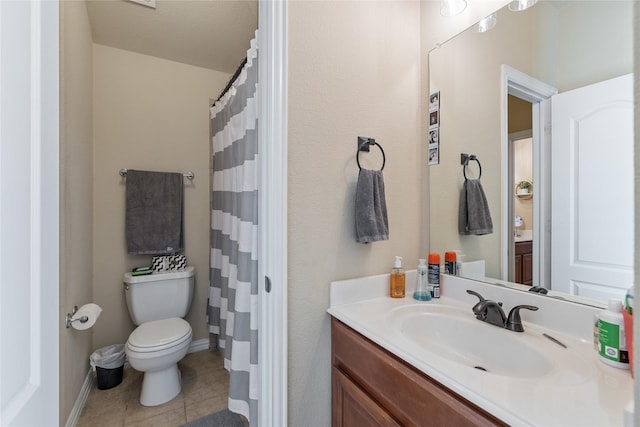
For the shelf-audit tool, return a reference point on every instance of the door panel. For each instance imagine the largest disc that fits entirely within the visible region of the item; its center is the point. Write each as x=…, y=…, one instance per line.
x=592, y=189
x=29, y=213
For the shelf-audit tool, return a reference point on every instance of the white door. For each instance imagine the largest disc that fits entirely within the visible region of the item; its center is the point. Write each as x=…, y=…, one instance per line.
x=29, y=320
x=592, y=189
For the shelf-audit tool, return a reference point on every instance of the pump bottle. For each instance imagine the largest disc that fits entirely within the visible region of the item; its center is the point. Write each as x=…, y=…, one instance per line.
x=397, y=280
x=422, y=292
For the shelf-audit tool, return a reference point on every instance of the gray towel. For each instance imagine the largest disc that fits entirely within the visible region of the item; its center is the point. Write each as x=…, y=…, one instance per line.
x=154, y=212
x=474, y=216
x=371, y=208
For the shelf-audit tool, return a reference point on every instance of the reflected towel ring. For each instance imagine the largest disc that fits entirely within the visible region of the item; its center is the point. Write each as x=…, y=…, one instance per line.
x=464, y=161
x=366, y=143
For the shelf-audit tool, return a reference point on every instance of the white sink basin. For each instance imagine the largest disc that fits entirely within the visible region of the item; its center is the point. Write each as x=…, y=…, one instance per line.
x=458, y=336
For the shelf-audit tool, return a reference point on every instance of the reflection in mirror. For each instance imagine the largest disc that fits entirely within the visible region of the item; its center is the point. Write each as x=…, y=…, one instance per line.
x=571, y=229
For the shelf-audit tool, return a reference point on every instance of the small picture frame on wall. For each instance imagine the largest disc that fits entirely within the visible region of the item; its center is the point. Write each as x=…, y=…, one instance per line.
x=434, y=136
x=434, y=154
x=434, y=119
x=434, y=101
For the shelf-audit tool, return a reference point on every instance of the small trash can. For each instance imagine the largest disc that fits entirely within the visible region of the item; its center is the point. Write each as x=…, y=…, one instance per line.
x=108, y=363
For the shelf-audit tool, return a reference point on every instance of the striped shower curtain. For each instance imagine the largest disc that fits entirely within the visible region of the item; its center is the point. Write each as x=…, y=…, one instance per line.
x=233, y=295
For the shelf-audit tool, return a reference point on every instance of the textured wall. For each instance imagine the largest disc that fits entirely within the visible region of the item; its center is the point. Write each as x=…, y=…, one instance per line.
x=149, y=114
x=76, y=189
x=354, y=69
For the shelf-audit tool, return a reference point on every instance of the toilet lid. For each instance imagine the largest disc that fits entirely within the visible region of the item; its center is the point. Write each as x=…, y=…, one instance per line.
x=159, y=334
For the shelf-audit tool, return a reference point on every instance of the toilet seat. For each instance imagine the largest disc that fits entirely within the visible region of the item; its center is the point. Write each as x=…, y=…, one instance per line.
x=159, y=335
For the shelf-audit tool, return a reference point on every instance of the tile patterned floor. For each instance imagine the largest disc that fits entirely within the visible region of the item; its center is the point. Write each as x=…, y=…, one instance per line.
x=205, y=385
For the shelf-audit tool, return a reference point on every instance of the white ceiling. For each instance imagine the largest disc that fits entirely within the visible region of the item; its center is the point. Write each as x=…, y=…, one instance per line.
x=213, y=34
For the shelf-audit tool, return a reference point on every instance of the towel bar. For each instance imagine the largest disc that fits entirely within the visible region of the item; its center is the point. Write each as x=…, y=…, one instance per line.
x=189, y=175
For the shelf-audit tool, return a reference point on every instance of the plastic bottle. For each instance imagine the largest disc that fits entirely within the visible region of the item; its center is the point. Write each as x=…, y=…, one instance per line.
x=450, y=263
x=397, y=279
x=459, y=256
x=628, y=300
x=422, y=292
x=612, y=346
x=434, y=275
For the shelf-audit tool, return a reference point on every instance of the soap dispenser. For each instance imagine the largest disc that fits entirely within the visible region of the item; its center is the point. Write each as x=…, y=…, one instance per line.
x=422, y=292
x=397, y=280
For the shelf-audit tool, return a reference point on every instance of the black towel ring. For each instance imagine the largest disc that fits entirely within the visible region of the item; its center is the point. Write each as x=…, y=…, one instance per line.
x=361, y=146
x=465, y=163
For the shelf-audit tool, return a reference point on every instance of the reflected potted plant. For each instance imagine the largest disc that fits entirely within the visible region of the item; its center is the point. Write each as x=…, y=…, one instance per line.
x=523, y=187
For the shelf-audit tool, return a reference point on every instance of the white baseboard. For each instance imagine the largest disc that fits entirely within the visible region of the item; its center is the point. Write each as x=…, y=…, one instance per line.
x=80, y=401
x=199, y=345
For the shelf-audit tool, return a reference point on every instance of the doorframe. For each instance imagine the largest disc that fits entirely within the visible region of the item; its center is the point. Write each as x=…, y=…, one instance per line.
x=523, y=86
x=272, y=137
x=513, y=137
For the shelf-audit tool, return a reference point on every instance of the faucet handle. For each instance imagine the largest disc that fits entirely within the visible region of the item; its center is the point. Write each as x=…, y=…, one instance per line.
x=514, y=322
x=476, y=308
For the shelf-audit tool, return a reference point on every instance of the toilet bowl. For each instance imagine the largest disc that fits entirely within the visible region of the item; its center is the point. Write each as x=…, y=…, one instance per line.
x=155, y=348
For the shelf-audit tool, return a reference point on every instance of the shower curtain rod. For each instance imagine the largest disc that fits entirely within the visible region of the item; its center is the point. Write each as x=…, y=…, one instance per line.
x=189, y=175
x=233, y=79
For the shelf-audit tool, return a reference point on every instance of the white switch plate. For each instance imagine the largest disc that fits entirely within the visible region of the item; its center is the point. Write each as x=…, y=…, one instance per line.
x=149, y=3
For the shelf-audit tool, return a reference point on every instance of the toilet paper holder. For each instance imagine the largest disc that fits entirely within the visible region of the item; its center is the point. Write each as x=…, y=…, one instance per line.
x=68, y=320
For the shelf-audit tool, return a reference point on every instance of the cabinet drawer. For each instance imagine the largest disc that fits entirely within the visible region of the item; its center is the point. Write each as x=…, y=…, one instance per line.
x=411, y=397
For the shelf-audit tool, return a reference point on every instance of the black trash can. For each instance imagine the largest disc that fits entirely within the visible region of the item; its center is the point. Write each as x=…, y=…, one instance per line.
x=108, y=378
x=109, y=365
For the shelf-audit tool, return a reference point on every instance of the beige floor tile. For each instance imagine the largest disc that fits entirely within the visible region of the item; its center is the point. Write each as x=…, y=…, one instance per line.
x=195, y=410
x=205, y=385
x=135, y=412
x=171, y=418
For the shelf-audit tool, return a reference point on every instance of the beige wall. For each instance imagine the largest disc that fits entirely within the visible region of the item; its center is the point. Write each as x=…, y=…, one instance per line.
x=354, y=69
x=76, y=192
x=522, y=169
x=149, y=114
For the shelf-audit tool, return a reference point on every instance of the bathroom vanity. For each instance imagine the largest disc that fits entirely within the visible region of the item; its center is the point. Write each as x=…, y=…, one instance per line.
x=405, y=362
x=371, y=386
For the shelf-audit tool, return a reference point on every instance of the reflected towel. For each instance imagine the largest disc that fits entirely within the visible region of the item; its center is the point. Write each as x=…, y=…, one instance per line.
x=154, y=212
x=371, y=207
x=474, y=216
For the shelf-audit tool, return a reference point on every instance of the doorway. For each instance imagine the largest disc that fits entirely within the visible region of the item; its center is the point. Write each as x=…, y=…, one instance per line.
x=531, y=99
x=521, y=204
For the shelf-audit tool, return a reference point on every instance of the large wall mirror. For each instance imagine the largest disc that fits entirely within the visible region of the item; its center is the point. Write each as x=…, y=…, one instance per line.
x=544, y=100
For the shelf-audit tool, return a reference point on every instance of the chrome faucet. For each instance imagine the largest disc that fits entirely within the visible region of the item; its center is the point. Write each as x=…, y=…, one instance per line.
x=491, y=312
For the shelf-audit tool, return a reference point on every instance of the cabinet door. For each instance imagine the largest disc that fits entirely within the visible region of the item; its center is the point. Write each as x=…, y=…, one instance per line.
x=352, y=407
x=527, y=269
x=518, y=268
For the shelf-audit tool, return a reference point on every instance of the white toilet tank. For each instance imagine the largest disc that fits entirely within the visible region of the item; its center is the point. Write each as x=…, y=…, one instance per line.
x=160, y=295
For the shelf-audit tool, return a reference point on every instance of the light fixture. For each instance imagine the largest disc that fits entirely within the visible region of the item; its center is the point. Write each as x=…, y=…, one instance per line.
x=487, y=23
x=452, y=7
x=520, y=5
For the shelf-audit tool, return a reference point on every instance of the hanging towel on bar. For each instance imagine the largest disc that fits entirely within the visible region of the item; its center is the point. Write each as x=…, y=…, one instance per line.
x=371, y=207
x=154, y=212
x=474, y=216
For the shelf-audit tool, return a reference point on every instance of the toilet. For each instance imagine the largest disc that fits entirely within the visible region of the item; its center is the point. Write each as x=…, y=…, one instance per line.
x=157, y=304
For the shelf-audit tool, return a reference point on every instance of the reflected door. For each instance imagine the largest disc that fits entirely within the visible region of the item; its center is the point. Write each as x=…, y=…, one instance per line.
x=592, y=189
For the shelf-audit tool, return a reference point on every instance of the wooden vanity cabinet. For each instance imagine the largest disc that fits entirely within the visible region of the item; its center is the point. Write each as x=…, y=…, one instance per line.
x=373, y=387
x=524, y=263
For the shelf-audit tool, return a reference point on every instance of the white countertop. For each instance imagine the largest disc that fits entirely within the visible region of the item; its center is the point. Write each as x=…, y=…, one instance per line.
x=525, y=236
x=585, y=392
